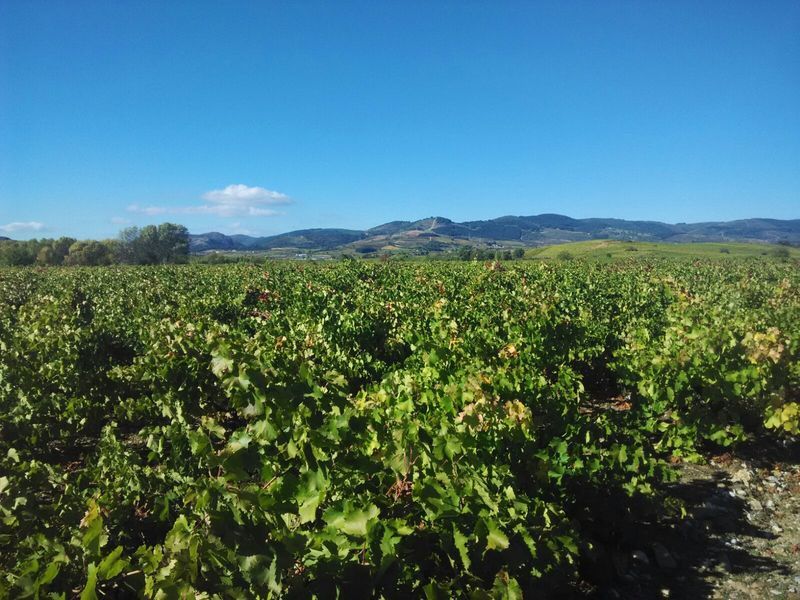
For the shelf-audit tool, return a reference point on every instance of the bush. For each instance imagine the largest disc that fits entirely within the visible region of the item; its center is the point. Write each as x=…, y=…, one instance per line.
x=781, y=253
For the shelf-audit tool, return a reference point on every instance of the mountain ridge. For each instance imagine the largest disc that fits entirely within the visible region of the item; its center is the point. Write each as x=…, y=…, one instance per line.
x=439, y=233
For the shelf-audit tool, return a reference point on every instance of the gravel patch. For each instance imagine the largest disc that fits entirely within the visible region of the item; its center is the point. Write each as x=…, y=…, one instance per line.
x=735, y=533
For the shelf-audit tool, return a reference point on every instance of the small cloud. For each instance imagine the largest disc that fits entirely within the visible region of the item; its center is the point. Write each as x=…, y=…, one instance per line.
x=120, y=221
x=241, y=194
x=148, y=210
x=21, y=226
x=236, y=200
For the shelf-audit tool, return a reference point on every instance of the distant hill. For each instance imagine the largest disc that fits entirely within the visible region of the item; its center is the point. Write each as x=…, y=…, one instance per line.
x=307, y=239
x=439, y=233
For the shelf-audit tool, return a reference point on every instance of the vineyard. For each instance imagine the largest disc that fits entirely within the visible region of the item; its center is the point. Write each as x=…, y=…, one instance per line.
x=357, y=430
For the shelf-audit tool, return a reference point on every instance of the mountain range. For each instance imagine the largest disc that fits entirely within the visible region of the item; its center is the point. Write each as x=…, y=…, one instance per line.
x=439, y=233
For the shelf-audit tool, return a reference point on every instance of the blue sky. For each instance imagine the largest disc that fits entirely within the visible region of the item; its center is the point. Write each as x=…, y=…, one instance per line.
x=261, y=117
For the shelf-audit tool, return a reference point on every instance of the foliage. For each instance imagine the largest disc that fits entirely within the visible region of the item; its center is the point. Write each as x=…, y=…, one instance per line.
x=363, y=429
x=781, y=252
x=165, y=243
x=89, y=254
x=472, y=253
x=152, y=245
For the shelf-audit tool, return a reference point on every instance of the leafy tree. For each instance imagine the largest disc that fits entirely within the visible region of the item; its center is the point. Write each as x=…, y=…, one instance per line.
x=128, y=246
x=113, y=248
x=14, y=253
x=46, y=256
x=173, y=242
x=519, y=253
x=61, y=248
x=89, y=253
x=150, y=245
x=466, y=253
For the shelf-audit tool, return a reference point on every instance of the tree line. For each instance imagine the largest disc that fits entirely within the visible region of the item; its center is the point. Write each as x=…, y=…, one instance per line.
x=149, y=245
x=472, y=253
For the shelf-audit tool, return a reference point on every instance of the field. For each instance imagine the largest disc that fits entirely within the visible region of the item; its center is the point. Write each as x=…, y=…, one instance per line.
x=360, y=429
x=614, y=250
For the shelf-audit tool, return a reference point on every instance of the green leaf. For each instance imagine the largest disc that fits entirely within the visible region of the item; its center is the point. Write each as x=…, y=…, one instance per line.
x=49, y=573
x=527, y=538
x=435, y=591
x=94, y=536
x=308, y=509
x=112, y=565
x=495, y=538
x=460, y=541
x=179, y=536
x=569, y=543
x=310, y=493
x=258, y=569
x=239, y=440
x=88, y=592
x=199, y=443
x=350, y=520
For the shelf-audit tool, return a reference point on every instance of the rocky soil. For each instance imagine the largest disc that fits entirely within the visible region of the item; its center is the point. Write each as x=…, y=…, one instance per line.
x=733, y=532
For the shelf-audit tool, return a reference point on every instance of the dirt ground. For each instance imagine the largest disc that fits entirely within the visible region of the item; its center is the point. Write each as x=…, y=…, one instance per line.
x=738, y=535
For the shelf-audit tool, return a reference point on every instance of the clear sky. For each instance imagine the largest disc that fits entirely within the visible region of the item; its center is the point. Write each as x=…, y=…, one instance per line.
x=262, y=117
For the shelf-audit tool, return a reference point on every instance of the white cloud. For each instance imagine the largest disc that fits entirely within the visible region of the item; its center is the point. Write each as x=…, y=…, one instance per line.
x=242, y=194
x=236, y=200
x=21, y=226
x=149, y=210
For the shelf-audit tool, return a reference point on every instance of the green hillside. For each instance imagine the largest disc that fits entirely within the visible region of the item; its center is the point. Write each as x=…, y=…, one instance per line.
x=618, y=250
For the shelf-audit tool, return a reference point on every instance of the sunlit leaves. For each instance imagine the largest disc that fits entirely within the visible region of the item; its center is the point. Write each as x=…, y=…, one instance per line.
x=355, y=428
x=350, y=519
